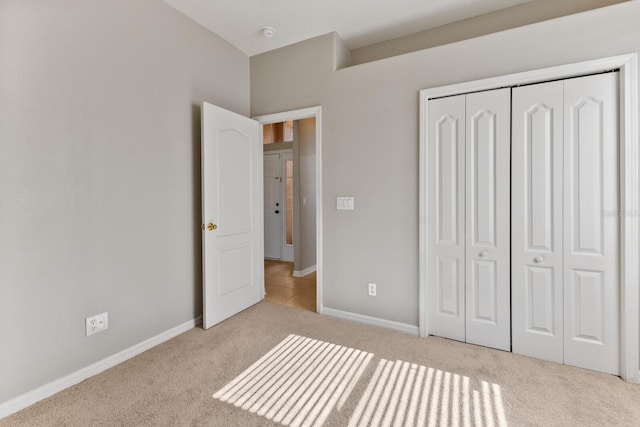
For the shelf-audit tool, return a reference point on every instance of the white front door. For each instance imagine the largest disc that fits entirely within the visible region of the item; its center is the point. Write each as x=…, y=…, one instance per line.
x=232, y=239
x=273, y=211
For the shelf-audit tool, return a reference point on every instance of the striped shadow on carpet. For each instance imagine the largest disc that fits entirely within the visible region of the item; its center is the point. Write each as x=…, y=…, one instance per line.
x=406, y=394
x=298, y=382
x=301, y=380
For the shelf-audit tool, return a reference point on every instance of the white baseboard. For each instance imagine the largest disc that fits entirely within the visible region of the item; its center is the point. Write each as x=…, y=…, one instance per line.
x=373, y=321
x=304, y=272
x=27, y=399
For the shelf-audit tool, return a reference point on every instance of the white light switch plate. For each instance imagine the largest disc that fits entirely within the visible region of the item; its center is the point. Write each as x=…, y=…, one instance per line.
x=344, y=203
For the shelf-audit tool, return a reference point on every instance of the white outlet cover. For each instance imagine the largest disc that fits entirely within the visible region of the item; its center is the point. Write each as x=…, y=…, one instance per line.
x=372, y=289
x=97, y=323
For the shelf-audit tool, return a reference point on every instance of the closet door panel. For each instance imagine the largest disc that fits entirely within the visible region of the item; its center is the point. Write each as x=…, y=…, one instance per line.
x=536, y=173
x=488, y=320
x=445, y=263
x=591, y=225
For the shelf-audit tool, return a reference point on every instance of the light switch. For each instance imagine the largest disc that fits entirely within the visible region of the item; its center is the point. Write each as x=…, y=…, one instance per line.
x=344, y=203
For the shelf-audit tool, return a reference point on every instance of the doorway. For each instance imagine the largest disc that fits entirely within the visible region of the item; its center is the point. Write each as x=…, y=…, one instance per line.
x=298, y=283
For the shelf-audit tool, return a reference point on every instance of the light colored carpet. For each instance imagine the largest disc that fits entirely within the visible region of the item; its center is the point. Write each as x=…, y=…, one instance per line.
x=433, y=381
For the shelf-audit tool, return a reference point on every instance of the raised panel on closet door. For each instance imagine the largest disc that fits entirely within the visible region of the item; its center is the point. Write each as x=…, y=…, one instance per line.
x=488, y=118
x=445, y=261
x=536, y=209
x=591, y=225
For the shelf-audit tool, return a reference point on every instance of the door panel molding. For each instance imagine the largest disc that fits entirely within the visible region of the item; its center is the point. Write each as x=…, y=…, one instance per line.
x=629, y=165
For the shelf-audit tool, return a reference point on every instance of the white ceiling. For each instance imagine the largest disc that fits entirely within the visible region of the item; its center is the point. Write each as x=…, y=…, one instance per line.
x=358, y=22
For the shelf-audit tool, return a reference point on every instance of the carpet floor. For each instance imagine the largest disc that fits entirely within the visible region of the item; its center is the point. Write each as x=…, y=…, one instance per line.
x=275, y=365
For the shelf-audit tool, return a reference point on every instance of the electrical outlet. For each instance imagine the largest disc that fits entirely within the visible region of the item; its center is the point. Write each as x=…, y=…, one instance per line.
x=372, y=289
x=97, y=323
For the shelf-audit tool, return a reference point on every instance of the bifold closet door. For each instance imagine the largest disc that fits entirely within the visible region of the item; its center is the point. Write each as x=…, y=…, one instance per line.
x=468, y=218
x=565, y=254
x=536, y=182
x=446, y=241
x=591, y=224
x=488, y=138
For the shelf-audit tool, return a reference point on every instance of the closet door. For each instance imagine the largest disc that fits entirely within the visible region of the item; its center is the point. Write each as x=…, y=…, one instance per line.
x=488, y=117
x=446, y=239
x=591, y=225
x=536, y=205
x=565, y=191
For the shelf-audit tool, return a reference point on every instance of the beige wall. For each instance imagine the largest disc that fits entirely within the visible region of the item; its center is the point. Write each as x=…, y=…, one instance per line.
x=516, y=16
x=307, y=164
x=99, y=176
x=371, y=137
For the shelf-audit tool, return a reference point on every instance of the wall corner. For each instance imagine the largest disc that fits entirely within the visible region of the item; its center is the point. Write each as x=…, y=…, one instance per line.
x=341, y=53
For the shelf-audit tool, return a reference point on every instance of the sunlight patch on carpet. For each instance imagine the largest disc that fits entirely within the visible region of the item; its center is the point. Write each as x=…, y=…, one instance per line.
x=405, y=394
x=299, y=382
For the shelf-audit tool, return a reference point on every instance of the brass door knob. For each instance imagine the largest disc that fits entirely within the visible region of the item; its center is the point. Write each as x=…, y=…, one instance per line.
x=211, y=226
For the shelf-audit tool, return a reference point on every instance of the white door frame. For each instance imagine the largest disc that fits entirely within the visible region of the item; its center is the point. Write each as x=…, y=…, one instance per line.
x=629, y=187
x=307, y=113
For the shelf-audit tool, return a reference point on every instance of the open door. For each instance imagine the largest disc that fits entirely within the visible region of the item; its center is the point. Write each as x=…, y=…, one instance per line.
x=232, y=228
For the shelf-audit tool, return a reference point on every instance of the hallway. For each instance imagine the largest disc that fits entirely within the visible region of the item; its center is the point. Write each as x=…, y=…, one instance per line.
x=284, y=289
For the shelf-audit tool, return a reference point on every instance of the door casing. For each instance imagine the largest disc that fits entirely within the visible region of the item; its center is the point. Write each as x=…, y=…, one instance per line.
x=628, y=179
x=307, y=113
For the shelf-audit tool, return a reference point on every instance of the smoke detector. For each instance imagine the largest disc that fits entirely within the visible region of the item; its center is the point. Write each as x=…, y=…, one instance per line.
x=268, y=32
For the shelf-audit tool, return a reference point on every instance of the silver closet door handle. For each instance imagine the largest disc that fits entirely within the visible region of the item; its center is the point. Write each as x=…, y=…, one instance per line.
x=538, y=259
x=482, y=254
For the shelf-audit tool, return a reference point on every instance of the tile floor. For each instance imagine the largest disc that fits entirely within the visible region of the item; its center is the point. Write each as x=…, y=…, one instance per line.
x=282, y=288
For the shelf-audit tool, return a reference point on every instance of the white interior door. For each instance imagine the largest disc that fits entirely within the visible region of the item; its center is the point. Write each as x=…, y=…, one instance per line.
x=565, y=282
x=446, y=223
x=469, y=242
x=591, y=225
x=536, y=283
x=488, y=311
x=233, y=274
x=272, y=206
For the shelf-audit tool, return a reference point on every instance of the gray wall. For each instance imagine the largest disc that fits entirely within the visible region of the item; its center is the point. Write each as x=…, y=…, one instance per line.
x=307, y=163
x=370, y=137
x=304, y=187
x=516, y=16
x=100, y=176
